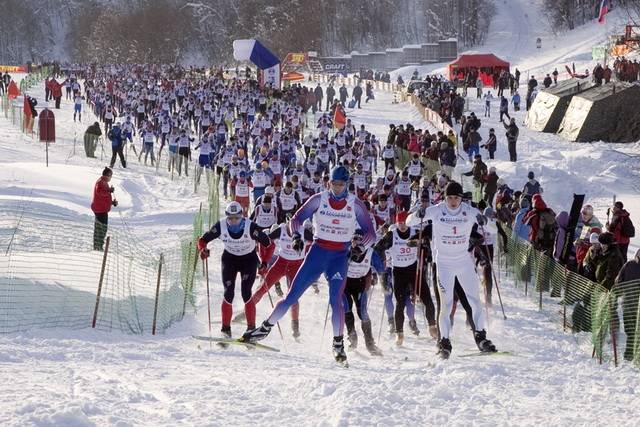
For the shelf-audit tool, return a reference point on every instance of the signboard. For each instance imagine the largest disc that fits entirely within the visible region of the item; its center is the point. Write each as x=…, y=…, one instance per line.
x=296, y=58
x=270, y=76
x=336, y=65
x=13, y=68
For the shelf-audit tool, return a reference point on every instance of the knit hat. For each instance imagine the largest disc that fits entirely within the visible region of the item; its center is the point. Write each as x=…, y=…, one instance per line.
x=402, y=216
x=605, y=238
x=453, y=189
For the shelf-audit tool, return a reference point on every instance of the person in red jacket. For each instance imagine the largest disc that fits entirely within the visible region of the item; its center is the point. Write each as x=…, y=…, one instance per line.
x=101, y=205
x=620, y=226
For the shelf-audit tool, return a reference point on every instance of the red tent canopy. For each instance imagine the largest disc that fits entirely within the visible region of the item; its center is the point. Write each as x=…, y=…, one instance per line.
x=485, y=60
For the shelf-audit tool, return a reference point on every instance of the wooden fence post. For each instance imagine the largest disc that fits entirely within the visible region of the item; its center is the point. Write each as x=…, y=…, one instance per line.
x=104, y=264
x=155, y=308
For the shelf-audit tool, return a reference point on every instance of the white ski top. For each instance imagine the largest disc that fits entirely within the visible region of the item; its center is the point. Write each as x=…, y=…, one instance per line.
x=451, y=230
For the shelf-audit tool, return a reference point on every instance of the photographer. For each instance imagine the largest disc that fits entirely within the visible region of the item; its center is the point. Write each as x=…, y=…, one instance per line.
x=101, y=205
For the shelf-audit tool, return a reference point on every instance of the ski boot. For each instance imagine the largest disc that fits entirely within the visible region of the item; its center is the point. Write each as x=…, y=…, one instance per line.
x=257, y=334
x=225, y=332
x=370, y=343
x=338, y=350
x=433, y=331
x=414, y=327
x=353, y=340
x=399, y=338
x=278, y=289
x=392, y=326
x=484, y=345
x=352, y=336
x=444, y=348
x=295, y=328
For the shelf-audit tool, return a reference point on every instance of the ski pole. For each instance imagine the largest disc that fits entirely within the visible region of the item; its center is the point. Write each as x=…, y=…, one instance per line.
x=324, y=328
x=206, y=269
x=494, y=274
x=278, y=322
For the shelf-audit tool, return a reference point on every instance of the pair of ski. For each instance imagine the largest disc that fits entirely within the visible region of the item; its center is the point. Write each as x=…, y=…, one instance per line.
x=237, y=341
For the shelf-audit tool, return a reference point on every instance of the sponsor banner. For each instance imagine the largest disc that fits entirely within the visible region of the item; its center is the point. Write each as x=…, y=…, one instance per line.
x=271, y=75
x=336, y=65
x=13, y=68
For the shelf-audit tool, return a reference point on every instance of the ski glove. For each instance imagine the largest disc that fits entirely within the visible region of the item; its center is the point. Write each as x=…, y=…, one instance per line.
x=297, y=244
x=202, y=248
x=357, y=252
x=111, y=189
x=115, y=203
x=412, y=243
x=481, y=219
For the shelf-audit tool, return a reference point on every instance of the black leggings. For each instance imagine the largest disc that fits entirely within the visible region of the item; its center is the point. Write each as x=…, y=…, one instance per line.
x=247, y=266
x=425, y=297
x=403, y=283
x=353, y=293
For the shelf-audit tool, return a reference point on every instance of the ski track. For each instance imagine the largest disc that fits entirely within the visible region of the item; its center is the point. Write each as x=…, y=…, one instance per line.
x=83, y=378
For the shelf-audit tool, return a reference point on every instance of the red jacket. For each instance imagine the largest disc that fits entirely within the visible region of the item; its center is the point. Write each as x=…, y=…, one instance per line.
x=616, y=226
x=532, y=218
x=101, y=202
x=56, y=88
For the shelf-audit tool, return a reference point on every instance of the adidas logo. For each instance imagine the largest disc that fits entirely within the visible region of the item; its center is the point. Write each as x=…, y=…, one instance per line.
x=337, y=276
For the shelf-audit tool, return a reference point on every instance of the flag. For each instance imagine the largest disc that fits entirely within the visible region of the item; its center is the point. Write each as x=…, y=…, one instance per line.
x=604, y=9
x=13, y=91
x=339, y=118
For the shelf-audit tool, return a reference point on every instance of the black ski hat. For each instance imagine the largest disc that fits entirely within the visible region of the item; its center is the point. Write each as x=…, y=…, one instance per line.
x=454, y=189
x=530, y=175
x=605, y=238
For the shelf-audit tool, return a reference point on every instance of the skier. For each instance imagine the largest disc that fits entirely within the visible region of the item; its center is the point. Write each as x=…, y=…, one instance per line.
x=402, y=243
x=453, y=223
x=358, y=283
x=336, y=214
x=286, y=265
x=239, y=236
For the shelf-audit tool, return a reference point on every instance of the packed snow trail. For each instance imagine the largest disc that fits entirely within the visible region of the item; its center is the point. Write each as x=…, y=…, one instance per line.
x=61, y=377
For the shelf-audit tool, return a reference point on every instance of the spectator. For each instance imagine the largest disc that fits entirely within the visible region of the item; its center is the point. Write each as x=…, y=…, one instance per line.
x=630, y=293
x=621, y=227
x=91, y=136
x=512, y=138
x=101, y=205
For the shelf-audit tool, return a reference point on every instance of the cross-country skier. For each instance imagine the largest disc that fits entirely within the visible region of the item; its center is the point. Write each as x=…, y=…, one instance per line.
x=453, y=223
x=356, y=292
x=336, y=215
x=286, y=265
x=239, y=236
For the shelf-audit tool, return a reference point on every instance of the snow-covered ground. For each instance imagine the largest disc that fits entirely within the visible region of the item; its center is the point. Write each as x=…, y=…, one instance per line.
x=63, y=378
x=81, y=378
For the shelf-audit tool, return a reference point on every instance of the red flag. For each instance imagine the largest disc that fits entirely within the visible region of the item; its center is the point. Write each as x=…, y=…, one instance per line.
x=13, y=91
x=26, y=107
x=605, y=5
x=339, y=117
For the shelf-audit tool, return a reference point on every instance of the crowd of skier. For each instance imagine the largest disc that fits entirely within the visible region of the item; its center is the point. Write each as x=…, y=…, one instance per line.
x=314, y=196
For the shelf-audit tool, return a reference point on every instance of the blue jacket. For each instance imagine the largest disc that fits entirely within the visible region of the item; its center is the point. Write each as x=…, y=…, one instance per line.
x=519, y=228
x=115, y=135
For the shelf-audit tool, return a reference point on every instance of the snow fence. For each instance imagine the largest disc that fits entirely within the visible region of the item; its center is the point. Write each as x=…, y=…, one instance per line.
x=51, y=277
x=610, y=316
